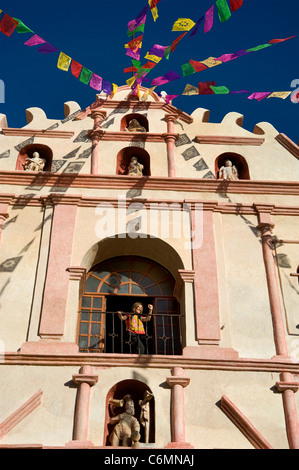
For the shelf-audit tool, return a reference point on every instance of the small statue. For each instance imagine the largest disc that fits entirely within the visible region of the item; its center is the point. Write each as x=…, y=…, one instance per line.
x=35, y=163
x=228, y=171
x=145, y=415
x=134, y=126
x=135, y=168
x=127, y=428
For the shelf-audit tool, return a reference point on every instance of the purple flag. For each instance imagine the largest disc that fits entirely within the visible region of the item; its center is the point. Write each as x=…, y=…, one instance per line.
x=141, y=18
x=238, y=91
x=209, y=19
x=96, y=82
x=170, y=76
x=107, y=87
x=195, y=29
x=159, y=81
x=134, y=55
x=157, y=50
x=34, y=40
x=47, y=48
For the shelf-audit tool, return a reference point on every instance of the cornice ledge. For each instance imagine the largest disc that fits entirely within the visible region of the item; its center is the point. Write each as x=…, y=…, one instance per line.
x=229, y=140
x=99, y=134
x=52, y=134
x=287, y=143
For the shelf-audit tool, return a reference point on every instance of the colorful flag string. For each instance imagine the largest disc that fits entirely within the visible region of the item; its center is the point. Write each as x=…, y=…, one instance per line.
x=194, y=66
x=9, y=24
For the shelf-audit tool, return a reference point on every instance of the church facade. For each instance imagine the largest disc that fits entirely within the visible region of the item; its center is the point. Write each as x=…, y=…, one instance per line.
x=149, y=274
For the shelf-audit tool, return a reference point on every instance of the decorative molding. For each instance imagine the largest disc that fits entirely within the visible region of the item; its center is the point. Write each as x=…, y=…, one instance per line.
x=183, y=276
x=214, y=206
x=228, y=140
x=137, y=106
x=23, y=178
x=21, y=413
x=48, y=134
x=61, y=358
x=283, y=386
x=90, y=379
x=99, y=134
x=243, y=424
x=287, y=143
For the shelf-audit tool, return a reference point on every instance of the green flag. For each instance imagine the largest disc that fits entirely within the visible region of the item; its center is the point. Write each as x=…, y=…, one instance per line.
x=223, y=10
x=258, y=48
x=85, y=75
x=188, y=69
x=136, y=30
x=220, y=90
x=22, y=28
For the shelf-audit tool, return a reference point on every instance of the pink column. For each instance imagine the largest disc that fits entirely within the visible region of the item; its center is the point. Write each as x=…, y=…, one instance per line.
x=286, y=386
x=85, y=380
x=57, y=278
x=206, y=283
x=266, y=226
x=177, y=382
x=98, y=117
x=170, y=139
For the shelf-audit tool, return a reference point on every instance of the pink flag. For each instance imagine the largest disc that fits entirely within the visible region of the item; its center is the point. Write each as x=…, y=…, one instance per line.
x=96, y=82
x=209, y=19
x=34, y=40
x=259, y=96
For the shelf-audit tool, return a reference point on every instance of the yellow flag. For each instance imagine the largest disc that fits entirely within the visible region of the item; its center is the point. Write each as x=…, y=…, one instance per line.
x=183, y=24
x=190, y=90
x=280, y=94
x=211, y=62
x=154, y=58
x=147, y=93
x=154, y=13
x=131, y=81
x=114, y=89
x=64, y=62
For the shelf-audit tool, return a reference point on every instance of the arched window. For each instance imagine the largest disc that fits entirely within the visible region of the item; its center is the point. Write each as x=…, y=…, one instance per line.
x=237, y=160
x=115, y=285
x=27, y=152
x=124, y=159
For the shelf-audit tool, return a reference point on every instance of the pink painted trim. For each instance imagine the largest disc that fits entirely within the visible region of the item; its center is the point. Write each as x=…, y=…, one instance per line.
x=206, y=284
x=228, y=140
x=57, y=280
x=287, y=143
x=225, y=361
x=85, y=379
x=49, y=134
x=244, y=425
x=9, y=423
x=124, y=136
x=22, y=178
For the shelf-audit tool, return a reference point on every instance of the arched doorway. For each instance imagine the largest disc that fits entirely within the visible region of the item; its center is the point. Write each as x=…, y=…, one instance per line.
x=115, y=285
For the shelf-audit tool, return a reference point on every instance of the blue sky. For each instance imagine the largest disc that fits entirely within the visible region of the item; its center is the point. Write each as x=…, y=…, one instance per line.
x=94, y=33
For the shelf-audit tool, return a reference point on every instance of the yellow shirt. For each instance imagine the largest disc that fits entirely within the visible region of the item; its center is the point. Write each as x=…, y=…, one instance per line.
x=135, y=325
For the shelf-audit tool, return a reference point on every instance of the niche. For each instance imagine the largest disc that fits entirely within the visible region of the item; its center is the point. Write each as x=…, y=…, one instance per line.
x=237, y=160
x=142, y=121
x=27, y=152
x=144, y=406
x=124, y=158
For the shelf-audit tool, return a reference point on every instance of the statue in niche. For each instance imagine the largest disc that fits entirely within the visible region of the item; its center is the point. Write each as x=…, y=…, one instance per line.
x=135, y=126
x=126, y=431
x=228, y=171
x=135, y=168
x=145, y=414
x=35, y=163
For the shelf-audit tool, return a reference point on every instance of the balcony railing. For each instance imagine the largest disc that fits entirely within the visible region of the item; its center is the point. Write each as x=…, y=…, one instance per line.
x=105, y=332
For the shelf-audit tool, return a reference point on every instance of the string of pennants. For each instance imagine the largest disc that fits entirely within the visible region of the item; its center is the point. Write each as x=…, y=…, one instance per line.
x=9, y=24
x=156, y=53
